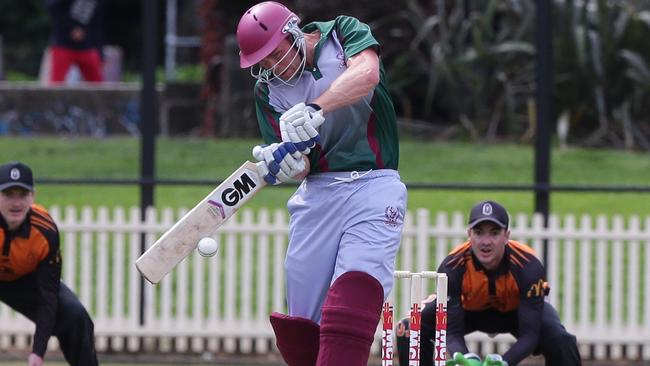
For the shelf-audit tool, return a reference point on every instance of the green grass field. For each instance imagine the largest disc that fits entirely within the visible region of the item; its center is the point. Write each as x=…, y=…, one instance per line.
x=421, y=162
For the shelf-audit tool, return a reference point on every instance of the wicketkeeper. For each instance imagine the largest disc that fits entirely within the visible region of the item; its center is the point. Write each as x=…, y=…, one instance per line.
x=325, y=113
x=496, y=285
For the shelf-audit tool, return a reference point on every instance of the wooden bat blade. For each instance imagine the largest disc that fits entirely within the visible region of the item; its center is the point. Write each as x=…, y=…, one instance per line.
x=201, y=221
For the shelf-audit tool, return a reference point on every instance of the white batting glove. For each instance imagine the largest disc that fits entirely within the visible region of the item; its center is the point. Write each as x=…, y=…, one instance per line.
x=298, y=125
x=278, y=162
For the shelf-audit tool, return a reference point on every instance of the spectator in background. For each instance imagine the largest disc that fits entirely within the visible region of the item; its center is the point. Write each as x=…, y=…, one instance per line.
x=30, y=272
x=77, y=38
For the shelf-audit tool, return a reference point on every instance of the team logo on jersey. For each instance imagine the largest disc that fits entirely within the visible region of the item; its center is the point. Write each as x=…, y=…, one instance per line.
x=14, y=174
x=341, y=57
x=392, y=215
x=536, y=289
x=487, y=209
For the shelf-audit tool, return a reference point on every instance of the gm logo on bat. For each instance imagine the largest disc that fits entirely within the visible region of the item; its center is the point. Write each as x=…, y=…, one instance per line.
x=241, y=187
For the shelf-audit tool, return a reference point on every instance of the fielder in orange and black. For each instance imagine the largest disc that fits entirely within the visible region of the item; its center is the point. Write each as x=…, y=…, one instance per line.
x=496, y=285
x=30, y=272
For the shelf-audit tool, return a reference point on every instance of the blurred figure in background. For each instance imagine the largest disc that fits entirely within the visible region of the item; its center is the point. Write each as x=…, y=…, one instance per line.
x=77, y=39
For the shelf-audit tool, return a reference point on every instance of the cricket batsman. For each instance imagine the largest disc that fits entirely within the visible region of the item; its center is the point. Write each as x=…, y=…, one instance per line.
x=325, y=113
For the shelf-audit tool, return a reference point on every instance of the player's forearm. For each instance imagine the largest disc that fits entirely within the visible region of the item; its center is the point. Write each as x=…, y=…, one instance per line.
x=347, y=90
x=361, y=77
x=529, y=317
x=524, y=346
x=455, y=317
x=456, y=344
x=49, y=280
x=455, y=325
x=45, y=319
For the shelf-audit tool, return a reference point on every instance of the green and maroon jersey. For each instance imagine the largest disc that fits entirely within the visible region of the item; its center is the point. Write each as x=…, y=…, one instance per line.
x=361, y=136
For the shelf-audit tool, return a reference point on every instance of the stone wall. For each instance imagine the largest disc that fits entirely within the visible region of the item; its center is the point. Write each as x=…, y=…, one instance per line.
x=224, y=107
x=94, y=109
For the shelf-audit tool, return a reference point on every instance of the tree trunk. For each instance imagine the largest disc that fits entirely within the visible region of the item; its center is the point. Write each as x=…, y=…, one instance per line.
x=212, y=45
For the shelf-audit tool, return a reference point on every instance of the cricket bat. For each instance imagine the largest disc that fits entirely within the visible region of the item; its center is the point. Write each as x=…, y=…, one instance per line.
x=201, y=221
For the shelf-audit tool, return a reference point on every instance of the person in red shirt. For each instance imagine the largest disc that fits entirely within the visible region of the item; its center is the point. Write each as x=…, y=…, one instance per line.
x=77, y=38
x=496, y=285
x=30, y=272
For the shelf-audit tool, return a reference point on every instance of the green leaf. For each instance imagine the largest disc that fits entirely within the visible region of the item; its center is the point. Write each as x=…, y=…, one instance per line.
x=513, y=47
x=638, y=69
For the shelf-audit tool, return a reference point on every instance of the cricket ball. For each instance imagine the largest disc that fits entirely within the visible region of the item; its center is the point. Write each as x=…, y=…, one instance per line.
x=208, y=247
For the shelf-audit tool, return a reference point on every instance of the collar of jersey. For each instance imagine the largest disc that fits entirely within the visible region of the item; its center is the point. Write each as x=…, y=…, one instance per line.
x=24, y=228
x=503, y=265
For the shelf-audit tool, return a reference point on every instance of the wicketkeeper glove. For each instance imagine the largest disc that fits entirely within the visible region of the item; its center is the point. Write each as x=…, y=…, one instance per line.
x=494, y=360
x=468, y=359
x=278, y=162
x=298, y=125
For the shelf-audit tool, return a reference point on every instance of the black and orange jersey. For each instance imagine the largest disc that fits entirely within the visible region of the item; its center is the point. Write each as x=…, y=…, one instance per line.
x=510, y=296
x=33, y=250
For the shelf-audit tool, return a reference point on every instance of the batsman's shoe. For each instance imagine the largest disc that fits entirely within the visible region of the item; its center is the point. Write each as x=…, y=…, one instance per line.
x=296, y=338
x=468, y=359
x=494, y=360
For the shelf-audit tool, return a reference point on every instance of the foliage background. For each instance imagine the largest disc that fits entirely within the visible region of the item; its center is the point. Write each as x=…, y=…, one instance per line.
x=459, y=69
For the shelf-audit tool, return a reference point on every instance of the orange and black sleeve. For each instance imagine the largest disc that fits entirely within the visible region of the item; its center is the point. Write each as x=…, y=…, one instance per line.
x=48, y=277
x=528, y=272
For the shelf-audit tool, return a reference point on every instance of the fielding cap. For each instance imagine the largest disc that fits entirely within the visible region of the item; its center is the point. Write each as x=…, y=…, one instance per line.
x=16, y=174
x=488, y=211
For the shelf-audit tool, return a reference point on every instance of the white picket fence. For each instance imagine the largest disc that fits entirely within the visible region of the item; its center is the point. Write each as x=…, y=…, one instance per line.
x=599, y=271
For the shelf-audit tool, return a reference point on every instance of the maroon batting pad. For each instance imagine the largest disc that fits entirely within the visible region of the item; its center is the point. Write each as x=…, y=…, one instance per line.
x=296, y=338
x=350, y=317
